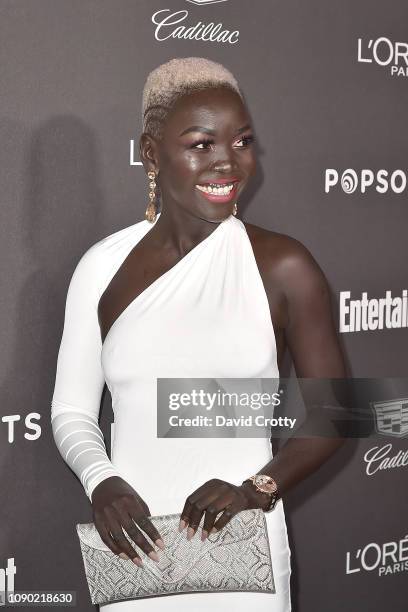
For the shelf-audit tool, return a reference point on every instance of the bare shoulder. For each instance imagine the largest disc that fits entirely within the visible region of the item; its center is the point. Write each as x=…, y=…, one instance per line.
x=285, y=260
x=280, y=249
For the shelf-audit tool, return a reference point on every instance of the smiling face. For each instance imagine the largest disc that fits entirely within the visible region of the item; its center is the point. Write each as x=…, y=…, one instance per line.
x=205, y=156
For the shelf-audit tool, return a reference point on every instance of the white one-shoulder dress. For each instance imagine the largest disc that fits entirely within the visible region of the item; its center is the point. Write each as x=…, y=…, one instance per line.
x=207, y=316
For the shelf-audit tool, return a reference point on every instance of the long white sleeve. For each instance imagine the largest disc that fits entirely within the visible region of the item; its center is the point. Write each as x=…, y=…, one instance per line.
x=79, y=378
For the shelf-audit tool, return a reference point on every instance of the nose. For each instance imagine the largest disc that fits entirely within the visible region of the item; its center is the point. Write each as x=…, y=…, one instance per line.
x=224, y=166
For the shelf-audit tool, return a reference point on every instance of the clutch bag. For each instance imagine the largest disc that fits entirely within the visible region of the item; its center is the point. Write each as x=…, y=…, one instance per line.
x=236, y=558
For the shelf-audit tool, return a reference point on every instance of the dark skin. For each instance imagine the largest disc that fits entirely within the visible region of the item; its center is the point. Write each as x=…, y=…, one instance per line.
x=219, y=146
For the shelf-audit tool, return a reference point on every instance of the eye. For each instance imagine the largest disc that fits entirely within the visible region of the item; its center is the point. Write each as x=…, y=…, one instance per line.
x=244, y=141
x=204, y=143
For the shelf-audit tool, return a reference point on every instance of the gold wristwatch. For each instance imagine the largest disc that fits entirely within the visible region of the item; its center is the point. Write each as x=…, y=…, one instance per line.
x=265, y=484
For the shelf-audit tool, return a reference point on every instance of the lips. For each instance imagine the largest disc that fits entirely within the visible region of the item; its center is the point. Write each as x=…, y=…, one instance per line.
x=220, y=190
x=219, y=195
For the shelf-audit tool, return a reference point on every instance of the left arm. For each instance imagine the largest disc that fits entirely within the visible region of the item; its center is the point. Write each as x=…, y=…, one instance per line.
x=314, y=346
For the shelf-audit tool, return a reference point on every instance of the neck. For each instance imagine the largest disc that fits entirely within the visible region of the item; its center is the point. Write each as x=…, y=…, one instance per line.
x=180, y=231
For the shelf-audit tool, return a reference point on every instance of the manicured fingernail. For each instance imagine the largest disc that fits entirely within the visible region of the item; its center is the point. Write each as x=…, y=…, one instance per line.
x=182, y=524
x=153, y=555
x=213, y=530
x=190, y=533
x=138, y=561
x=204, y=534
x=159, y=542
x=123, y=556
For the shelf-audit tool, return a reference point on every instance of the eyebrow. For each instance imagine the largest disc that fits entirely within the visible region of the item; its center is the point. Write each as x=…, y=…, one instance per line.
x=199, y=128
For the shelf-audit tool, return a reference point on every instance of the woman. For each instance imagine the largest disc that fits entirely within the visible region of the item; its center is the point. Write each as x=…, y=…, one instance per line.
x=190, y=292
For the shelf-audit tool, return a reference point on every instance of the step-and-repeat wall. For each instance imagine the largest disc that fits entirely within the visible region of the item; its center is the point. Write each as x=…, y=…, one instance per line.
x=326, y=84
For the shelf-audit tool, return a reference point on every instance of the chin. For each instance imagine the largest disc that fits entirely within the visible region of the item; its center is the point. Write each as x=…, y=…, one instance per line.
x=215, y=216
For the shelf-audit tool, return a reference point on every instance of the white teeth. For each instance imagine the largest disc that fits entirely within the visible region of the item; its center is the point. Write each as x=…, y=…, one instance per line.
x=224, y=190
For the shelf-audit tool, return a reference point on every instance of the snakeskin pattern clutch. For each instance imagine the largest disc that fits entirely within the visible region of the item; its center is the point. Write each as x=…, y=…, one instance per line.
x=236, y=558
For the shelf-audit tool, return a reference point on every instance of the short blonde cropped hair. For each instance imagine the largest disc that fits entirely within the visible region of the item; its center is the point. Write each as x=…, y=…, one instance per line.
x=177, y=77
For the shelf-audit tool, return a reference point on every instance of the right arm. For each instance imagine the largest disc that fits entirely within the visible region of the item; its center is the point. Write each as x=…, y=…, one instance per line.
x=79, y=381
x=75, y=410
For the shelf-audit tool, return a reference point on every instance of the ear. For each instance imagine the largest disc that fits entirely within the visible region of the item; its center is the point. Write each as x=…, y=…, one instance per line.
x=149, y=153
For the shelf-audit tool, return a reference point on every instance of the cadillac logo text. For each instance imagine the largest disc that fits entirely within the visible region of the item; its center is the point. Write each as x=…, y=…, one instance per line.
x=168, y=26
x=379, y=458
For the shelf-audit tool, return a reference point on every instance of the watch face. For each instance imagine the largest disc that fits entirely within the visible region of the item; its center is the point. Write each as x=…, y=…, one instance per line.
x=265, y=483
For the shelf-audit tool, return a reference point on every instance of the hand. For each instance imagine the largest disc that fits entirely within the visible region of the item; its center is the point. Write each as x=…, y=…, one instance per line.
x=217, y=496
x=116, y=505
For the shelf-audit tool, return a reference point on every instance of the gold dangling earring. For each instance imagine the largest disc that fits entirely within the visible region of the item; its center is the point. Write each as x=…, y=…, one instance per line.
x=235, y=209
x=151, y=212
